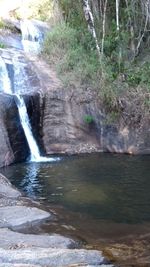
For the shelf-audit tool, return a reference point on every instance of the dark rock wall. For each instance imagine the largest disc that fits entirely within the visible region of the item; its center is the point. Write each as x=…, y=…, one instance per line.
x=13, y=145
x=34, y=110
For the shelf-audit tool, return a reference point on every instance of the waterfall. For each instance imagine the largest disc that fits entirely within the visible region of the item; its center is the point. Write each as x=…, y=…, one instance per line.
x=5, y=83
x=32, y=37
x=24, y=118
x=35, y=153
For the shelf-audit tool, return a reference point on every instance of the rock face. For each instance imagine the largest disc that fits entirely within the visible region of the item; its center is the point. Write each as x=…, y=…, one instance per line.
x=76, y=123
x=64, y=128
x=13, y=145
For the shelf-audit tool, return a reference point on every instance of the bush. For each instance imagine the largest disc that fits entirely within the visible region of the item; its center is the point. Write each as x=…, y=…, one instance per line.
x=88, y=119
x=139, y=75
x=74, y=56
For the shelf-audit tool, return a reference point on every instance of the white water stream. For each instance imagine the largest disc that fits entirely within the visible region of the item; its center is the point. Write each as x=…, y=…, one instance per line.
x=35, y=153
x=5, y=84
x=32, y=37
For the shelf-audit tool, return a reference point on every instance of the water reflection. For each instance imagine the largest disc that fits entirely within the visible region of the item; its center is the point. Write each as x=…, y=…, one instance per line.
x=30, y=182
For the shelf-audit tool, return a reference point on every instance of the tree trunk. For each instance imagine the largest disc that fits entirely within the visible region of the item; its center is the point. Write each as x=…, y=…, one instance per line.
x=90, y=21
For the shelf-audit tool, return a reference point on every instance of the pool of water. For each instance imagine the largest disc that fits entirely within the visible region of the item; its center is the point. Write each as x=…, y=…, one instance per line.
x=104, y=186
x=102, y=200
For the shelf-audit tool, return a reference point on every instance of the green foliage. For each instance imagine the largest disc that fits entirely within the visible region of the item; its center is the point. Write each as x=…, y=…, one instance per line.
x=139, y=75
x=112, y=117
x=71, y=49
x=38, y=9
x=41, y=9
x=7, y=26
x=73, y=14
x=2, y=24
x=88, y=119
x=2, y=45
x=74, y=51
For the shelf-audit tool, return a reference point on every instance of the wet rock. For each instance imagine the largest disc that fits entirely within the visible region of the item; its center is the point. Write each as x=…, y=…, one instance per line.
x=51, y=257
x=13, y=145
x=10, y=239
x=6, y=188
x=11, y=40
x=14, y=210
x=14, y=216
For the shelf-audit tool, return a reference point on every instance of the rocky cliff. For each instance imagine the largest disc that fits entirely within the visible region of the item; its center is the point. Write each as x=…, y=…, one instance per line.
x=67, y=121
x=76, y=121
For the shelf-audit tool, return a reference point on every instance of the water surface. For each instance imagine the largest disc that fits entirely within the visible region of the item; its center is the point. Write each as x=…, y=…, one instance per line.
x=100, y=199
x=107, y=187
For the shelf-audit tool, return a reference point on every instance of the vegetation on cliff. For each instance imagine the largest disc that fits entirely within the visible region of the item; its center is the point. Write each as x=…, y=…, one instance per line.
x=113, y=59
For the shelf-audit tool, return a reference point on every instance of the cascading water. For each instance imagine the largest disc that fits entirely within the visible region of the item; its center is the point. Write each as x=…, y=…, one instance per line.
x=35, y=154
x=32, y=37
x=5, y=84
x=7, y=88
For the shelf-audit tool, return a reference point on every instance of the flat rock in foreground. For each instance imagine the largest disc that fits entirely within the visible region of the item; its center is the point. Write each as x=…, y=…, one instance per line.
x=51, y=257
x=31, y=265
x=13, y=216
x=10, y=239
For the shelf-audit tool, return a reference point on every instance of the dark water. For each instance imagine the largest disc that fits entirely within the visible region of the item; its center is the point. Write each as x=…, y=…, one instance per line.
x=106, y=187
